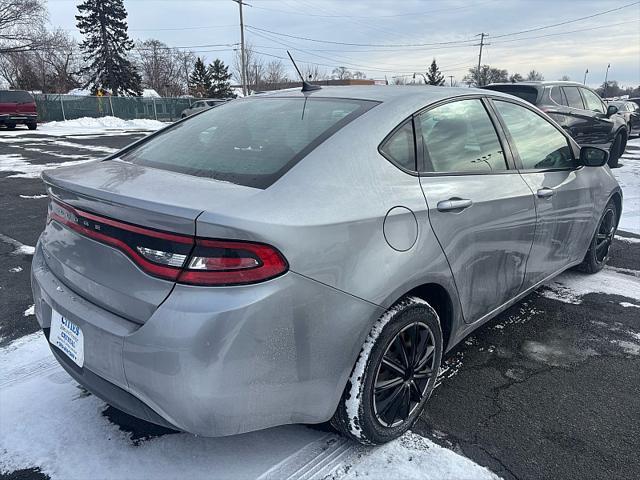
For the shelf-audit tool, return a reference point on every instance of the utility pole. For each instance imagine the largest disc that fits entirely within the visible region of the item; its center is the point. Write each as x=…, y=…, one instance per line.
x=481, y=44
x=451, y=80
x=243, y=57
x=606, y=76
x=584, y=82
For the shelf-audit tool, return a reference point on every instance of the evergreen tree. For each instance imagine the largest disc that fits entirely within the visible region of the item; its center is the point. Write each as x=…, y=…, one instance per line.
x=434, y=76
x=219, y=76
x=106, y=45
x=199, y=81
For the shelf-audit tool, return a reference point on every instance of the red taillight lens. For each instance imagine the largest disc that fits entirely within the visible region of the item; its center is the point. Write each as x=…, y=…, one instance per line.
x=221, y=262
x=177, y=257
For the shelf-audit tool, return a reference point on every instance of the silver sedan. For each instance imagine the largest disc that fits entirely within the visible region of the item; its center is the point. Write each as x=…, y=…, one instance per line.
x=299, y=257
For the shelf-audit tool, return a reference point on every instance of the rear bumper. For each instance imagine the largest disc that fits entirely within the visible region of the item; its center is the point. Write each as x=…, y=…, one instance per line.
x=218, y=361
x=18, y=118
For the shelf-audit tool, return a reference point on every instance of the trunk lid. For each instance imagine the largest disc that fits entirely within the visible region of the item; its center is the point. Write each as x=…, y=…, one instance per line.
x=121, y=193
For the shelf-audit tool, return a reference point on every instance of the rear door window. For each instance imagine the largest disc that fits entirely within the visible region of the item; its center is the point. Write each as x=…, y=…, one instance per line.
x=460, y=137
x=593, y=101
x=530, y=94
x=250, y=142
x=400, y=147
x=538, y=143
x=574, y=99
x=15, y=96
x=557, y=96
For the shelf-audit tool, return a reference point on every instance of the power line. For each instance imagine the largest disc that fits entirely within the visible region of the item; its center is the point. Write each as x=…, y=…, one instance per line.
x=459, y=42
x=567, y=21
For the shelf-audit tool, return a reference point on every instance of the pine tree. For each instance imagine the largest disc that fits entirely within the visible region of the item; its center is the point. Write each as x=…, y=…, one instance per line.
x=199, y=81
x=434, y=76
x=219, y=76
x=106, y=45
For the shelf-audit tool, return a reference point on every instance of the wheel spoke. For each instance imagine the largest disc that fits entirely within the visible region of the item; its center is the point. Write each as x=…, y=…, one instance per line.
x=415, y=392
x=393, y=365
x=425, y=358
x=398, y=404
x=424, y=373
x=391, y=402
x=387, y=384
x=403, y=350
x=415, y=338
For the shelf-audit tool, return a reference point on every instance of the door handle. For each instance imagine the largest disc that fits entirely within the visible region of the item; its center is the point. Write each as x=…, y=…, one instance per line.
x=545, y=192
x=454, y=204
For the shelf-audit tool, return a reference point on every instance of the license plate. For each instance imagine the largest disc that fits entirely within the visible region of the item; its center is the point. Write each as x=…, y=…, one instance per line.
x=67, y=336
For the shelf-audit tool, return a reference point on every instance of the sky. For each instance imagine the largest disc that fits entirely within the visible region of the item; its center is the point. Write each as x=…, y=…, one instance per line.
x=399, y=38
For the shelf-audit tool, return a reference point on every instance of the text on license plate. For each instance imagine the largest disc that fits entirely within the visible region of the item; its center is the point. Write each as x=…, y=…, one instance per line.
x=67, y=336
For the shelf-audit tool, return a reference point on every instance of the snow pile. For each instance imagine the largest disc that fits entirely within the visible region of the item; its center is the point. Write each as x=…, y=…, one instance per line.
x=17, y=163
x=107, y=123
x=49, y=422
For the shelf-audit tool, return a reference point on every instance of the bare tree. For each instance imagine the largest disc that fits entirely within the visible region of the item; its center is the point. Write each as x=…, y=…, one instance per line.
x=565, y=78
x=161, y=67
x=20, y=23
x=313, y=73
x=399, y=80
x=255, y=67
x=535, y=75
x=275, y=72
x=359, y=75
x=341, y=73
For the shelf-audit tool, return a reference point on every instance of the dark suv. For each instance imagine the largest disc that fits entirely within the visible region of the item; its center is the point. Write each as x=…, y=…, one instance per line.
x=578, y=109
x=17, y=106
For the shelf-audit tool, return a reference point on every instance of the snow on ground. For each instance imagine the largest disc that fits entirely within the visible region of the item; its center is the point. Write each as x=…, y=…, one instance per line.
x=48, y=421
x=628, y=177
x=88, y=125
x=17, y=163
x=571, y=286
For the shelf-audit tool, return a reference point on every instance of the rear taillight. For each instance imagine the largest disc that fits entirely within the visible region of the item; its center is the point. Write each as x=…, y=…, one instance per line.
x=180, y=258
x=221, y=262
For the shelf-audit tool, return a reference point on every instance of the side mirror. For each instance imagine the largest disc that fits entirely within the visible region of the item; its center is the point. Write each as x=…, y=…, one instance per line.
x=612, y=110
x=593, y=156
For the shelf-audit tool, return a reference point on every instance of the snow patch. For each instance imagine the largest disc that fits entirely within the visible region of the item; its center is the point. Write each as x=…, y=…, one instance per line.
x=15, y=269
x=88, y=125
x=17, y=163
x=628, y=176
x=570, y=286
x=19, y=248
x=30, y=311
x=413, y=457
x=33, y=197
x=627, y=239
x=627, y=304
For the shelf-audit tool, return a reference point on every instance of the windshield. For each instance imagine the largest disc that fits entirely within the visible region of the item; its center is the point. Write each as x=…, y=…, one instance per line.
x=250, y=142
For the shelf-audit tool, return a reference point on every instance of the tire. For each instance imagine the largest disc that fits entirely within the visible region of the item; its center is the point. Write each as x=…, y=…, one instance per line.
x=371, y=417
x=10, y=126
x=617, y=149
x=600, y=246
x=32, y=126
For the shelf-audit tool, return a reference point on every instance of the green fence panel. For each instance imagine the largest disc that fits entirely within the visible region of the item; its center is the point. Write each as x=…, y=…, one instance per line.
x=55, y=107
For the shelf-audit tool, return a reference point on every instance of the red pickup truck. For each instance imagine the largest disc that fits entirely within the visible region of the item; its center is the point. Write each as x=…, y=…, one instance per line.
x=17, y=106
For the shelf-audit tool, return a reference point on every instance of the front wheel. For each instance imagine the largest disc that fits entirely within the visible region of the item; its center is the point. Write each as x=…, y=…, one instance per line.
x=598, y=253
x=394, y=374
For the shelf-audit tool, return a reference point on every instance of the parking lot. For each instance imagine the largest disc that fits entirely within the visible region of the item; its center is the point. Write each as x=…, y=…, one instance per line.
x=548, y=389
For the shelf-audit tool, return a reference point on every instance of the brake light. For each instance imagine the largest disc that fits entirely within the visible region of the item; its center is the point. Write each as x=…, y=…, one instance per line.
x=222, y=262
x=175, y=257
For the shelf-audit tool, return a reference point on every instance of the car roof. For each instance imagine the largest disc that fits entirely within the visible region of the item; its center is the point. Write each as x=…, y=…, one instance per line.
x=382, y=93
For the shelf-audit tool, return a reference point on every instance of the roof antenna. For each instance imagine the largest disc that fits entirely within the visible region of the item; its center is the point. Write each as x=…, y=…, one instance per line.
x=306, y=86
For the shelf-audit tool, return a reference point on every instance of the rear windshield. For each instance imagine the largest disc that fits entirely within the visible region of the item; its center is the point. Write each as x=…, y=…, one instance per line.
x=15, y=96
x=251, y=141
x=530, y=94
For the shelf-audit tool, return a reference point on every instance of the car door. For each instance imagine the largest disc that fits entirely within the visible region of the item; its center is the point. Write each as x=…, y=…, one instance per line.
x=481, y=210
x=564, y=191
x=601, y=130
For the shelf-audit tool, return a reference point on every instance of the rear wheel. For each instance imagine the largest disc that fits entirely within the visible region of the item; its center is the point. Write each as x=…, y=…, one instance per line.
x=394, y=375
x=32, y=126
x=598, y=253
x=617, y=149
x=11, y=126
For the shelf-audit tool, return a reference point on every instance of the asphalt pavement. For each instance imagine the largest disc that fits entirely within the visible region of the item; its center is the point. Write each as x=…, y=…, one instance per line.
x=548, y=389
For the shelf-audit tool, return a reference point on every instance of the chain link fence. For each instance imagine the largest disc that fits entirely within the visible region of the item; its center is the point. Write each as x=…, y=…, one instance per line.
x=56, y=107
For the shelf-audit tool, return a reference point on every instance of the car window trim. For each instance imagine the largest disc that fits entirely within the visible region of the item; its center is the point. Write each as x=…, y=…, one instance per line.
x=586, y=104
x=422, y=172
x=516, y=154
x=562, y=95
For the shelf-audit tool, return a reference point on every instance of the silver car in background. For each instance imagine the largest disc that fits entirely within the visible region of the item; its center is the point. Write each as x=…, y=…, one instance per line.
x=299, y=257
x=201, y=105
